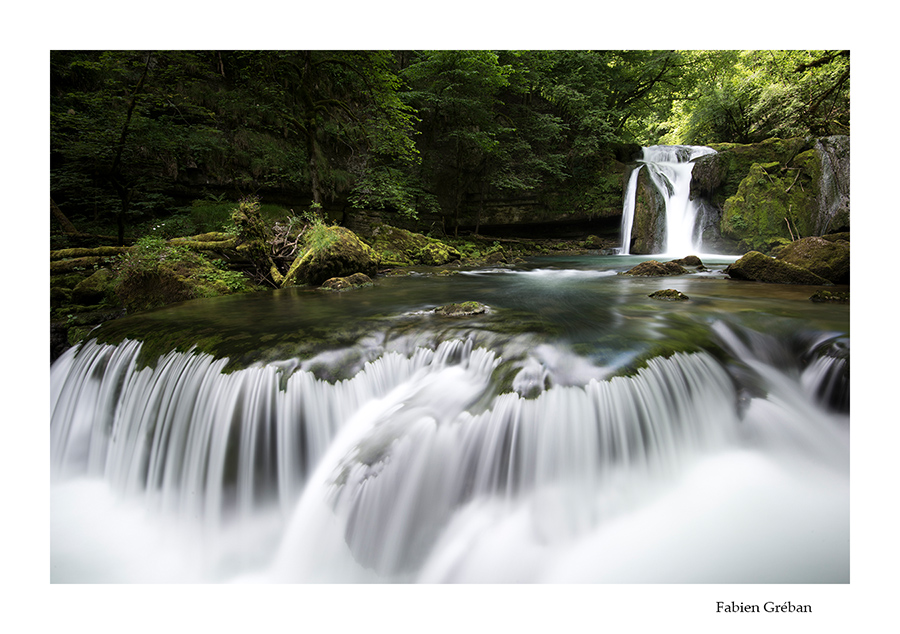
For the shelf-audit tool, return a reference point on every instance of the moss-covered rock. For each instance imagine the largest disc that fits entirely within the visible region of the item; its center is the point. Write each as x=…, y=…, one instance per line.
x=330, y=251
x=95, y=289
x=725, y=170
x=398, y=247
x=653, y=268
x=464, y=309
x=826, y=258
x=343, y=283
x=772, y=205
x=155, y=274
x=592, y=242
x=689, y=260
x=437, y=254
x=669, y=295
x=758, y=267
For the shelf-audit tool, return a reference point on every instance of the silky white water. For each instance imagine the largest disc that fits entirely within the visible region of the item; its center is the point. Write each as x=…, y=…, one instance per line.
x=470, y=459
x=669, y=168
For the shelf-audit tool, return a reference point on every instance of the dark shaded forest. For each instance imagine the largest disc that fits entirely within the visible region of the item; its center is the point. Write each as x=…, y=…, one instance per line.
x=162, y=141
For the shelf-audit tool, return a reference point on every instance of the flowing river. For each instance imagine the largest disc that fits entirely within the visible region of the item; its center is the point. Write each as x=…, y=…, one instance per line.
x=577, y=431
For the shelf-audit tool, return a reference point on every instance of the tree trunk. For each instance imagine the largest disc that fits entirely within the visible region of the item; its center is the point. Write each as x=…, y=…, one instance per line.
x=67, y=225
x=312, y=150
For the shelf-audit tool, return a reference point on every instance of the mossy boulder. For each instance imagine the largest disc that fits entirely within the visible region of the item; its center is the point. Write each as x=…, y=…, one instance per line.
x=592, y=242
x=464, y=309
x=653, y=268
x=669, y=295
x=398, y=247
x=758, y=267
x=826, y=258
x=330, y=251
x=100, y=286
x=343, y=283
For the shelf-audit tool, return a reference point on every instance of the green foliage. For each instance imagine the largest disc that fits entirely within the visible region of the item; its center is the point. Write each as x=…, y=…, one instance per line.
x=415, y=132
x=748, y=96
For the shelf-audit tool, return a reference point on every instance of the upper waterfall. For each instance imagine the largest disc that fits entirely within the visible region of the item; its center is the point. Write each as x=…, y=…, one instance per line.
x=669, y=168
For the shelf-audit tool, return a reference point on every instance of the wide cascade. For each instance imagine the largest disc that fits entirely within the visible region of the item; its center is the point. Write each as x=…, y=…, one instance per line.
x=669, y=168
x=461, y=456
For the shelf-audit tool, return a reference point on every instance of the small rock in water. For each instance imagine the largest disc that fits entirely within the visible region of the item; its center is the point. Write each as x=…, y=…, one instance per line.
x=344, y=283
x=690, y=260
x=464, y=309
x=834, y=297
x=669, y=294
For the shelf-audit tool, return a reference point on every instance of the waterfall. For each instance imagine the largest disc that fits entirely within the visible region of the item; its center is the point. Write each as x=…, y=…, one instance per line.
x=669, y=168
x=628, y=211
x=411, y=468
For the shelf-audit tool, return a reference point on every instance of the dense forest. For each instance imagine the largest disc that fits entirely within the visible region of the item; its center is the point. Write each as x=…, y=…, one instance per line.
x=152, y=141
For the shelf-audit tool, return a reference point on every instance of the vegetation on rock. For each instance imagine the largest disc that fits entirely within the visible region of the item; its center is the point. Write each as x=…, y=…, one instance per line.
x=827, y=258
x=155, y=273
x=757, y=267
x=833, y=297
x=654, y=268
x=330, y=251
x=464, y=309
x=669, y=294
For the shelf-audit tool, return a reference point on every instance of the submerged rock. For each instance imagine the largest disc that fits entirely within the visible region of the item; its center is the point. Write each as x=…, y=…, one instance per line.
x=654, y=268
x=833, y=297
x=343, y=283
x=669, y=294
x=826, y=258
x=755, y=266
x=465, y=309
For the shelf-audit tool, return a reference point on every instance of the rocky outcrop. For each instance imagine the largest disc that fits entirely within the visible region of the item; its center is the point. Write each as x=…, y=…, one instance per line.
x=95, y=289
x=826, y=258
x=757, y=267
x=771, y=193
x=653, y=268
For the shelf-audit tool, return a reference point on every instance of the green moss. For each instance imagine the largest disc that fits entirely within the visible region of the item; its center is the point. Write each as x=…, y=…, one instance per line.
x=398, y=247
x=155, y=273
